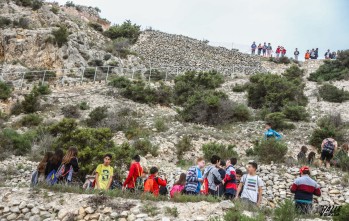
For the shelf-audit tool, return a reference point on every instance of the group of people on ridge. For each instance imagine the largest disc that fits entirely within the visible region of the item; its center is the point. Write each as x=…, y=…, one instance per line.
x=264, y=50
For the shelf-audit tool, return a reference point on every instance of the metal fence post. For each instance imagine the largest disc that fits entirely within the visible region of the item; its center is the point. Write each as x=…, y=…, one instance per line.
x=166, y=75
x=149, y=72
x=43, y=78
x=94, y=78
x=177, y=71
x=106, y=78
x=82, y=76
x=22, y=80
x=133, y=73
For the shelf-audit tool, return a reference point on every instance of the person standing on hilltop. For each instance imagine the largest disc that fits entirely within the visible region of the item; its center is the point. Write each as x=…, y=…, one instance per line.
x=316, y=53
x=296, y=54
x=283, y=51
x=328, y=54
x=307, y=55
x=328, y=146
x=270, y=133
x=264, y=49
x=269, y=50
x=304, y=188
x=277, y=52
x=312, y=54
x=253, y=48
x=260, y=47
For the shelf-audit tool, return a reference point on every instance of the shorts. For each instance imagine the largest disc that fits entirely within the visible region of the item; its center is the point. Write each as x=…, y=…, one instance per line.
x=325, y=155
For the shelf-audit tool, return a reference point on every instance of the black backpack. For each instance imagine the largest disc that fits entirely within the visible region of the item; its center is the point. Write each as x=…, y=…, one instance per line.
x=329, y=146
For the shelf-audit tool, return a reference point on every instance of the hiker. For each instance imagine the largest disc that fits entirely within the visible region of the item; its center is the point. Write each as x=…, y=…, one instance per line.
x=302, y=157
x=194, y=178
x=211, y=174
x=277, y=52
x=54, y=162
x=264, y=49
x=296, y=54
x=341, y=155
x=312, y=54
x=304, y=188
x=260, y=47
x=104, y=174
x=270, y=133
x=239, y=174
x=327, y=54
x=178, y=186
x=334, y=55
x=42, y=166
x=307, y=55
x=251, y=186
x=316, y=53
x=154, y=183
x=222, y=172
x=253, y=48
x=133, y=180
x=229, y=180
x=311, y=157
x=70, y=164
x=283, y=52
x=269, y=50
x=328, y=147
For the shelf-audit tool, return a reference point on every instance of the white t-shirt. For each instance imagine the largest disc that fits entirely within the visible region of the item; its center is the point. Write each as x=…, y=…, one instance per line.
x=251, y=185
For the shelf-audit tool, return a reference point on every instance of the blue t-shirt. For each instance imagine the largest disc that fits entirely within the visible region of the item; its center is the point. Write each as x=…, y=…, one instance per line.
x=272, y=133
x=199, y=176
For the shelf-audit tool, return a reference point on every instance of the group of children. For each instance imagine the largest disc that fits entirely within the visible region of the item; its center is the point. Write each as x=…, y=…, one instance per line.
x=264, y=50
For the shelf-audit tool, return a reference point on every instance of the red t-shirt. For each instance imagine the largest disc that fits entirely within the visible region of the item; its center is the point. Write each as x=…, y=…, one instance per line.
x=135, y=171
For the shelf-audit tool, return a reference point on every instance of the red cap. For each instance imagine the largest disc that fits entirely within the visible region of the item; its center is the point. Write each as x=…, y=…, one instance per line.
x=304, y=168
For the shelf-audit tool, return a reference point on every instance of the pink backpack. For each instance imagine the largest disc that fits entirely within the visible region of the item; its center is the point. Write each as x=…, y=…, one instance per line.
x=176, y=189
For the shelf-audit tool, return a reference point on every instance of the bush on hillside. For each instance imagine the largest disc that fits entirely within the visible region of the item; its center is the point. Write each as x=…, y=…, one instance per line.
x=38, y=75
x=34, y=4
x=96, y=63
x=71, y=111
x=160, y=124
x=125, y=30
x=328, y=126
x=31, y=102
x=280, y=60
x=12, y=142
x=60, y=36
x=286, y=211
x=43, y=89
x=31, y=120
x=183, y=145
x=333, y=69
x=331, y=93
x=295, y=74
x=343, y=213
x=274, y=92
x=120, y=82
x=278, y=120
x=55, y=9
x=155, y=75
x=270, y=150
x=295, y=113
x=240, y=88
x=144, y=146
x=5, y=22
x=97, y=115
x=119, y=47
x=193, y=82
x=5, y=91
x=96, y=26
x=213, y=148
x=235, y=214
x=84, y=105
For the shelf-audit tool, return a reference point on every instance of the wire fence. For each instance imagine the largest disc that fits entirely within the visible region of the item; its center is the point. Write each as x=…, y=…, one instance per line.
x=74, y=76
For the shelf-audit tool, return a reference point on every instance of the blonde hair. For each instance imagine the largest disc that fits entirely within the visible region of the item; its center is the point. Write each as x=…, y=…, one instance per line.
x=71, y=153
x=345, y=147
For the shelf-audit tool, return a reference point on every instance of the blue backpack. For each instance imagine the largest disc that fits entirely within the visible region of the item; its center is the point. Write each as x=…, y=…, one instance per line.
x=329, y=146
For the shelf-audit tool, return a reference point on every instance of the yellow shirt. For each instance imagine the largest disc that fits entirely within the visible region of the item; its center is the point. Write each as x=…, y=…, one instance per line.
x=104, y=174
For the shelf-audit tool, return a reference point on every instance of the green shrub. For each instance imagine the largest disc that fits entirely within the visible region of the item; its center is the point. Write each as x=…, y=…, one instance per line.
x=183, y=145
x=31, y=102
x=328, y=126
x=36, y=4
x=70, y=4
x=271, y=150
x=15, y=143
x=125, y=30
x=84, y=105
x=295, y=113
x=43, y=89
x=38, y=75
x=96, y=26
x=106, y=57
x=5, y=22
x=71, y=111
x=160, y=124
x=54, y=9
x=31, y=120
x=120, y=82
x=240, y=88
x=119, y=47
x=274, y=92
x=331, y=93
x=155, y=75
x=278, y=120
x=97, y=115
x=22, y=23
x=343, y=213
x=236, y=215
x=5, y=91
x=213, y=148
x=96, y=63
x=60, y=36
x=193, y=82
x=250, y=152
x=333, y=69
x=144, y=146
x=17, y=108
x=286, y=211
x=90, y=73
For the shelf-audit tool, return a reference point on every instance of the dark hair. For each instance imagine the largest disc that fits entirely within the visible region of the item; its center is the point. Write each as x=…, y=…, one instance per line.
x=253, y=164
x=223, y=164
x=306, y=172
x=311, y=157
x=215, y=159
x=182, y=179
x=137, y=158
x=57, y=157
x=238, y=172
x=304, y=149
x=233, y=161
x=108, y=155
x=154, y=170
x=268, y=124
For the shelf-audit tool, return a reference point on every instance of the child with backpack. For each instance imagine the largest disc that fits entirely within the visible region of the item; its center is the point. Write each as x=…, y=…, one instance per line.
x=211, y=174
x=194, y=178
x=328, y=146
x=251, y=186
x=104, y=174
x=270, y=133
x=154, y=183
x=134, y=178
x=230, y=179
x=178, y=186
x=69, y=166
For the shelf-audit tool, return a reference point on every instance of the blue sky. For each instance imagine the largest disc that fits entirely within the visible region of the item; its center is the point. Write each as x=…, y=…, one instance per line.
x=304, y=24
